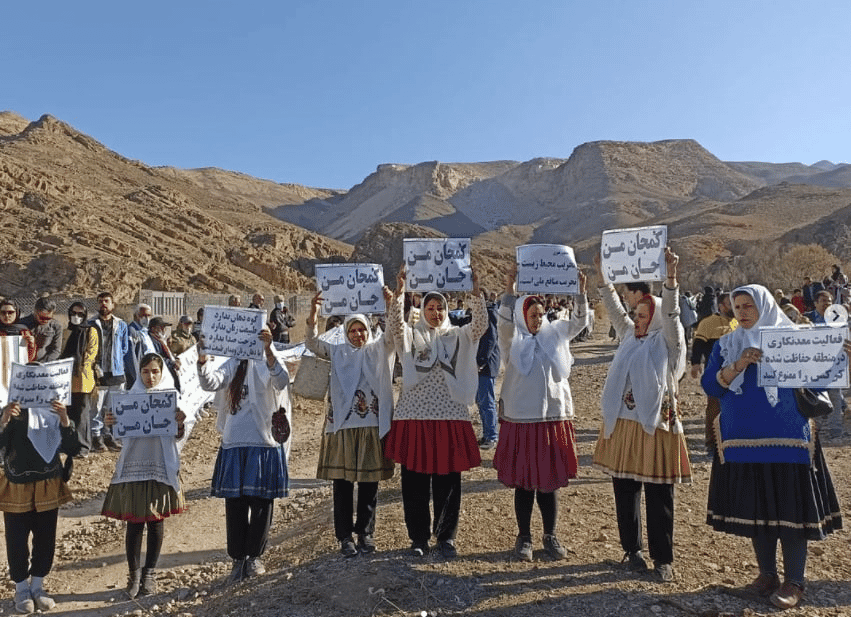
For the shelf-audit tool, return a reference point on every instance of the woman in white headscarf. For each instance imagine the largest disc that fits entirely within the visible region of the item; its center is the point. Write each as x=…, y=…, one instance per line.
x=536, y=452
x=769, y=479
x=641, y=443
x=32, y=488
x=145, y=487
x=360, y=408
x=432, y=437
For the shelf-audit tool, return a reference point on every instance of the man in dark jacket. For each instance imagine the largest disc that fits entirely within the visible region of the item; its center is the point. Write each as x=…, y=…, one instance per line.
x=47, y=331
x=280, y=322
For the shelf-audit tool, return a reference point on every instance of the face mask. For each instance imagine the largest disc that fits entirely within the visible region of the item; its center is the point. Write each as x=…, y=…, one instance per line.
x=280, y=306
x=143, y=321
x=76, y=320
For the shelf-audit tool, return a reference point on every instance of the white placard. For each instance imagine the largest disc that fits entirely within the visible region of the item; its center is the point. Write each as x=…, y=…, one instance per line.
x=806, y=357
x=13, y=349
x=233, y=332
x=632, y=255
x=145, y=414
x=350, y=288
x=437, y=264
x=547, y=268
x=39, y=385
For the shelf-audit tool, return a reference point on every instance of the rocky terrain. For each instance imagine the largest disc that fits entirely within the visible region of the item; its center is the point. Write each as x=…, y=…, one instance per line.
x=78, y=217
x=307, y=577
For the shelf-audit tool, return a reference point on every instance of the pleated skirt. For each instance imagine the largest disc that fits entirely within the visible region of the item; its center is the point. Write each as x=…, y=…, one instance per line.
x=773, y=499
x=142, y=501
x=536, y=455
x=353, y=454
x=250, y=471
x=630, y=453
x=433, y=446
x=41, y=495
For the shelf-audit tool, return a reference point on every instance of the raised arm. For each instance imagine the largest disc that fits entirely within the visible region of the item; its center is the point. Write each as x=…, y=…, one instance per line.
x=311, y=341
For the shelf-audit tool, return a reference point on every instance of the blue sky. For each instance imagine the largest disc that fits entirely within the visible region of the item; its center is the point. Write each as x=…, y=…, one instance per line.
x=321, y=92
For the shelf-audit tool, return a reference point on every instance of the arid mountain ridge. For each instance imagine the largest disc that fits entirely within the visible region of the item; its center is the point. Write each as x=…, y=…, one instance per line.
x=79, y=217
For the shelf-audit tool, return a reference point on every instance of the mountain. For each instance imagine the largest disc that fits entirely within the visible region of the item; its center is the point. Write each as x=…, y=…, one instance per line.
x=80, y=218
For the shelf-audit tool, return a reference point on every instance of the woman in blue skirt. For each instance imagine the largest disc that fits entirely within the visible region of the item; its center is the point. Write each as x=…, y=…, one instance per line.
x=250, y=469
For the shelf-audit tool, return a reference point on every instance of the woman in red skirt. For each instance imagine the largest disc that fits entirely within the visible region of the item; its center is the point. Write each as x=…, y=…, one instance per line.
x=432, y=436
x=536, y=451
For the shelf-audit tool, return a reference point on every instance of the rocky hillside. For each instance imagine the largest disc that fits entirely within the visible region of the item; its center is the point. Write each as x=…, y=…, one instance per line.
x=78, y=217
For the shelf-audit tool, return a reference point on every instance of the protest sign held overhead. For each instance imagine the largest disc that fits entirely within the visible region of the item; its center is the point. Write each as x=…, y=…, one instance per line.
x=233, y=332
x=806, y=357
x=547, y=268
x=38, y=385
x=632, y=255
x=437, y=264
x=144, y=414
x=350, y=288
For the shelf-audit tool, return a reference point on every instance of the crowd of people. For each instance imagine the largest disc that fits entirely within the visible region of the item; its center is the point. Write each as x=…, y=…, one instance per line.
x=769, y=480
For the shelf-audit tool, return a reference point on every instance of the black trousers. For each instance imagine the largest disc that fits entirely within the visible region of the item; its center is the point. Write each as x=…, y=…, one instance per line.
x=248, y=520
x=417, y=492
x=133, y=543
x=18, y=527
x=344, y=508
x=659, y=508
x=80, y=413
x=524, y=501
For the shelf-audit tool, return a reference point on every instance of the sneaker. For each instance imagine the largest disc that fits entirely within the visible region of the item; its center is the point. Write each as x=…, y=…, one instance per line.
x=787, y=596
x=254, y=567
x=636, y=562
x=764, y=585
x=487, y=444
x=365, y=543
x=110, y=443
x=348, y=548
x=43, y=602
x=523, y=548
x=24, y=602
x=553, y=547
x=97, y=444
x=447, y=549
x=237, y=573
x=419, y=549
x=665, y=572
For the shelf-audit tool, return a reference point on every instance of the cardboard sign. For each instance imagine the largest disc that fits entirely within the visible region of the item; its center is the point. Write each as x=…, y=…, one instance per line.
x=547, y=268
x=805, y=357
x=233, y=332
x=632, y=255
x=437, y=264
x=350, y=288
x=145, y=414
x=13, y=350
x=40, y=385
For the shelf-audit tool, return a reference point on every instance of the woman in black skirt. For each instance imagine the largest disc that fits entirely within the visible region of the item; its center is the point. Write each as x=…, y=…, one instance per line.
x=769, y=478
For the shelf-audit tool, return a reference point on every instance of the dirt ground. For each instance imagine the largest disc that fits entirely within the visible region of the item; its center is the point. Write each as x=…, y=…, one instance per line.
x=307, y=576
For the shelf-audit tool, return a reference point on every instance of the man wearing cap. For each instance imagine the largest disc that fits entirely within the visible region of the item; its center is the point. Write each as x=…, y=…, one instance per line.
x=157, y=331
x=280, y=321
x=181, y=337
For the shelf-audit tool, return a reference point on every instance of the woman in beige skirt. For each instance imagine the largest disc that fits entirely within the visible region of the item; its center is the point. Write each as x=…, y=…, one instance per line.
x=360, y=409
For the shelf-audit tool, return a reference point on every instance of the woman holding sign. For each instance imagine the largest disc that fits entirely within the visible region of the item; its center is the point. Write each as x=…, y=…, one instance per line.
x=536, y=452
x=360, y=408
x=432, y=436
x=641, y=443
x=9, y=314
x=145, y=487
x=251, y=470
x=769, y=478
x=32, y=488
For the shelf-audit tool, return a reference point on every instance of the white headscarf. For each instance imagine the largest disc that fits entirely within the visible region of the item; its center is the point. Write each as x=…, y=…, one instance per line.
x=444, y=345
x=43, y=432
x=651, y=373
x=733, y=344
x=555, y=347
x=150, y=458
x=373, y=361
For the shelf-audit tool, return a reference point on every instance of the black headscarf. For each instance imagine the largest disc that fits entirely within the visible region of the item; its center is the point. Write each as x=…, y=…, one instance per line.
x=78, y=339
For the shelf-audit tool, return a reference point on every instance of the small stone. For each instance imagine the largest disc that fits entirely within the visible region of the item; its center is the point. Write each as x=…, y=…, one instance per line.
x=816, y=550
